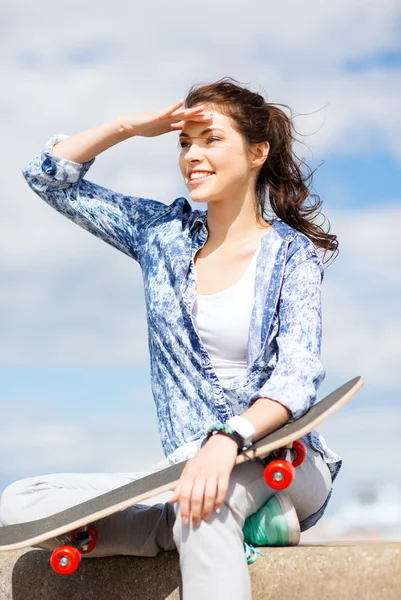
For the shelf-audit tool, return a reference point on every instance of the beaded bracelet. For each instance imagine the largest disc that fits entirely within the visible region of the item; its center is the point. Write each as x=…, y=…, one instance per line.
x=224, y=429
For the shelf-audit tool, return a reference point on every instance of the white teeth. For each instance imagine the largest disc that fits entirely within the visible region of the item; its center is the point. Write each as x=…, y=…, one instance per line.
x=199, y=175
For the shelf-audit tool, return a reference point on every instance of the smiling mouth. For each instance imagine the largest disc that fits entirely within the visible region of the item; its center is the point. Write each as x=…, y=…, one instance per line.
x=199, y=179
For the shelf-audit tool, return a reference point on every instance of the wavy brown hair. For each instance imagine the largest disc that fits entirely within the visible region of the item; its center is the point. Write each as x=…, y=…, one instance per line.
x=287, y=178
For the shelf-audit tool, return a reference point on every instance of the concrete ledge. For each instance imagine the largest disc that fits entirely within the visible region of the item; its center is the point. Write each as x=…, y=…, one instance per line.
x=363, y=571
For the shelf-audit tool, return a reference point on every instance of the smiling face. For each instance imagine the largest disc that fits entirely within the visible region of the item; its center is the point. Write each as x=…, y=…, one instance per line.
x=216, y=147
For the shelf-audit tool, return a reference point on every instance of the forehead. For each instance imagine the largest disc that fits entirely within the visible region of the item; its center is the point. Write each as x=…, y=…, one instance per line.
x=193, y=128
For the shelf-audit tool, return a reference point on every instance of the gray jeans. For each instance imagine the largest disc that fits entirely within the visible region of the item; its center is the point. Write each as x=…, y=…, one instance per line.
x=212, y=558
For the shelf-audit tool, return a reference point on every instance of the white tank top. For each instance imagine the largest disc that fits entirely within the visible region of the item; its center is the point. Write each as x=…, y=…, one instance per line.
x=223, y=320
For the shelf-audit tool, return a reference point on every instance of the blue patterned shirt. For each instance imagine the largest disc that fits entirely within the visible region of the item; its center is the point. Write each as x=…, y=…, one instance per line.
x=283, y=352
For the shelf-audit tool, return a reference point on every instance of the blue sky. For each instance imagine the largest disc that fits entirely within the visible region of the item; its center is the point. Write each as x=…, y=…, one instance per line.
x=364, y=180
x=381, y=60
x=74, y=363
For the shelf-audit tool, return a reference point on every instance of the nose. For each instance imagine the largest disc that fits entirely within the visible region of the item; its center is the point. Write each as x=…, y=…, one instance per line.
x=194, y=152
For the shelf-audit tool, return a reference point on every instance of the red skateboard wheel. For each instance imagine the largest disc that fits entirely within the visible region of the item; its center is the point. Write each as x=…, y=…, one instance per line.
x=65, y=560
x=300, y=449
x=279, y=474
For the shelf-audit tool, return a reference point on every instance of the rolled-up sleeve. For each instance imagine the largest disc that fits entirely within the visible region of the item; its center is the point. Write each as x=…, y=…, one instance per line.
x=298, y=370
x=117, y=219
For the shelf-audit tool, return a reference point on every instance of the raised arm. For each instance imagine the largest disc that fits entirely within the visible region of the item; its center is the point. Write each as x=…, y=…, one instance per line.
x=83, y=147
x=57, y=173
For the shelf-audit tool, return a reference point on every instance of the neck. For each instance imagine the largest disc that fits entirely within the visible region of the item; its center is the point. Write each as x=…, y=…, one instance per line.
x=227, y=225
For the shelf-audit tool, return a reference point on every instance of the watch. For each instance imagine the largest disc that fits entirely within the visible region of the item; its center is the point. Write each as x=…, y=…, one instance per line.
x=244, y=427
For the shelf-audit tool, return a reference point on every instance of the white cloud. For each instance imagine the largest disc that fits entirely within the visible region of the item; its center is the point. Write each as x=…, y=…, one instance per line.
x=326, y=32
x=361, y=292
x=67, y=440
x=84, y=310
x=297, y=54
x=367, y=439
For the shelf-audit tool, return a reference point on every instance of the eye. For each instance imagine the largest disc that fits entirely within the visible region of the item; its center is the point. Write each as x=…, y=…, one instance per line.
x=182, y=144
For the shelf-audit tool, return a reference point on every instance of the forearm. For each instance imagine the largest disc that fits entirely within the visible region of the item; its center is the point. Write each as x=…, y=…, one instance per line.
x=86, y=145
x=266, y=416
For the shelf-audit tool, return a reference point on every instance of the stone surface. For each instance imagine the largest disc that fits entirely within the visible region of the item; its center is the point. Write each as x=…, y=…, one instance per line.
x=363, y=571
x=27, y=575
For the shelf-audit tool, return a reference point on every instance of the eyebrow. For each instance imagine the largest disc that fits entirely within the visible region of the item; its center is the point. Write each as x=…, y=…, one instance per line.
x=202, y=132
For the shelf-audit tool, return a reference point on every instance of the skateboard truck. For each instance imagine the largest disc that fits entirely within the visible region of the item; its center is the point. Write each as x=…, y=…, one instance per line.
x=280, y=472
x=66, y=559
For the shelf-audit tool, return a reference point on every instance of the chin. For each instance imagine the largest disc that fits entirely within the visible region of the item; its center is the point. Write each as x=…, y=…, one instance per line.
x=203, y=200
x=199, y=200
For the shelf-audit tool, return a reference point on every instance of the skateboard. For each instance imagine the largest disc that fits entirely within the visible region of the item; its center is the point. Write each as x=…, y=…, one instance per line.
x=283, y=450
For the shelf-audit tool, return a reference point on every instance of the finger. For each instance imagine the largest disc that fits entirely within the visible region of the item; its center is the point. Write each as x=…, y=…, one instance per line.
x=209, y=498
x=188, y=111
x=222, y=488
x=180, y=124
x=197, y=497
x=175, y=496
x=185, y=502
x=176, y=126
x=174, y=107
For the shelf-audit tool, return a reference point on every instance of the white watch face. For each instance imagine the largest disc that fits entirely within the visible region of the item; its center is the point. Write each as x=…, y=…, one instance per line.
x=247, y=440
x=243, y=427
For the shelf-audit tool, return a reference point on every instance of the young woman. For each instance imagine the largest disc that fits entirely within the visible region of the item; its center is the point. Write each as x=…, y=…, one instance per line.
x=234, y=317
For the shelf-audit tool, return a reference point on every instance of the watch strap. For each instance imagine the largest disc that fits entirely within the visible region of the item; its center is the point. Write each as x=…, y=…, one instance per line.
x=225, y=429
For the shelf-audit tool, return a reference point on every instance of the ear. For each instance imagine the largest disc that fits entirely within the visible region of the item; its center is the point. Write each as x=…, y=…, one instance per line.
x=259, y=154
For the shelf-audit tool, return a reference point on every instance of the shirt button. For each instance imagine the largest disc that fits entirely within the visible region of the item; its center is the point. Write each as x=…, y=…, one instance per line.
x=49, y=167
x=262, y=363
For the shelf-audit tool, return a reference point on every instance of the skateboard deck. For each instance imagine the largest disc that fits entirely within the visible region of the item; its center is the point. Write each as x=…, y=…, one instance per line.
x=14, y=537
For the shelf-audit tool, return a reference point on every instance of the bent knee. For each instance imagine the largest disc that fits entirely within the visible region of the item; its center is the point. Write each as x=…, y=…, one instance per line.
x=18, y=501
x=206, y=530
x=10, y=513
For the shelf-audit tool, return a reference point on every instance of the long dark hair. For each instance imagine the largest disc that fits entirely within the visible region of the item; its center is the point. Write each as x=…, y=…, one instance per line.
x=287, y=178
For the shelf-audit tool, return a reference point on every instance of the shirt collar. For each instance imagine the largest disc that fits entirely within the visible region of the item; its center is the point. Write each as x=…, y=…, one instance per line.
x=201, y=218
x=285, y=231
